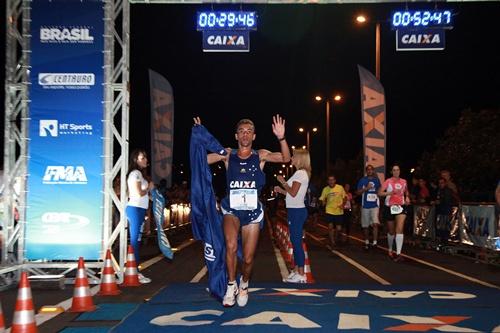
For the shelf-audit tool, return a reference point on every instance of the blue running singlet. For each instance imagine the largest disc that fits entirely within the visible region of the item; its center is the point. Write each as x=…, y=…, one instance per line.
x=245, y=181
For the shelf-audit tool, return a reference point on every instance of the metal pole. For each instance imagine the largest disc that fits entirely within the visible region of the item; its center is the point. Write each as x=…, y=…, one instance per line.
x=377, y=51
x=308, y=145
x=327, y=169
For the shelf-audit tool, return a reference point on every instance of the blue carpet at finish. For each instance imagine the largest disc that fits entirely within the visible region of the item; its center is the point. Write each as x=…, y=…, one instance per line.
x=108, y=311
x=323, y=311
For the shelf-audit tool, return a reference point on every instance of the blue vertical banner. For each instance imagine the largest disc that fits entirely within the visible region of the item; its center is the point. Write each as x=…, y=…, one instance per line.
x=65, y=183
x=162, y=127
x=373, y=121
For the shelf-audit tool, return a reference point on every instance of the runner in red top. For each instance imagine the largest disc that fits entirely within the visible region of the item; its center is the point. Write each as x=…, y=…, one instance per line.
x=397, y=197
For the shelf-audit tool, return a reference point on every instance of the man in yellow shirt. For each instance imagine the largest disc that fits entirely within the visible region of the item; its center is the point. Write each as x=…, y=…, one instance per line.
x=333, y=197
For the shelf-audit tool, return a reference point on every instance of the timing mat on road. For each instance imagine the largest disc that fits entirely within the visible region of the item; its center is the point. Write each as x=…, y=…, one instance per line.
x=320, y=308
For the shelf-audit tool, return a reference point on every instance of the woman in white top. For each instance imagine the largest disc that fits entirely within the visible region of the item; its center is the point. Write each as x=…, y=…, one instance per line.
x=295, y=190
x=138, y=200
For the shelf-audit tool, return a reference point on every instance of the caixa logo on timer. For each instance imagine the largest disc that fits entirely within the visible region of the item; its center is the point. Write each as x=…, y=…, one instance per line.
x=61, y=174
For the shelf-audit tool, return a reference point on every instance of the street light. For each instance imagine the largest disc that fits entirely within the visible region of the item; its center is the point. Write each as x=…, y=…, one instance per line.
x=336, y=98
x=307, y=136
x=361, y=19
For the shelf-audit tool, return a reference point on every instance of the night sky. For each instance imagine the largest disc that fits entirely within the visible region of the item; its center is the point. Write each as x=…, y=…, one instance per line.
x=300, y=51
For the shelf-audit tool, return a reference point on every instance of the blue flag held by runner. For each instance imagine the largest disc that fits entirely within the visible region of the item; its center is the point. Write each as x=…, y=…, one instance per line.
x=158, y=208
x=206, y=219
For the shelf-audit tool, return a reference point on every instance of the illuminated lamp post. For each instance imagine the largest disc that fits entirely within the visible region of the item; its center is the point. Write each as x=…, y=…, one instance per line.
x=336, y=98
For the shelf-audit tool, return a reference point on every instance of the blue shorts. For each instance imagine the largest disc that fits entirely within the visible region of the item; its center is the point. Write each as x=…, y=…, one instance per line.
x=245, y=216
x=335, y=219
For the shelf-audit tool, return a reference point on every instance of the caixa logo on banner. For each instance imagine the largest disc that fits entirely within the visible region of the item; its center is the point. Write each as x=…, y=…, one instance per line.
x=66, y=80
x=52, y=128
x=63, y=34
x=55, y=222
x=65, y=174
x=229, y=41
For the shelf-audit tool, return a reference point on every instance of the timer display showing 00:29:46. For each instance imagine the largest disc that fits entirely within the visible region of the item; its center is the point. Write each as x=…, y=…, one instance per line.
x=225, y=20
x=421, y=18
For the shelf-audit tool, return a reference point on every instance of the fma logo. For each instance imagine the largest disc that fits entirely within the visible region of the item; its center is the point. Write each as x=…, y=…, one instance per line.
x=62, y=34
x=60, y=174
x=48, y=127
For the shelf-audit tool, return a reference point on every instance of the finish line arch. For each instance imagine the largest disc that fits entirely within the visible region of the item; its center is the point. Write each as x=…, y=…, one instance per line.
x=116, y=128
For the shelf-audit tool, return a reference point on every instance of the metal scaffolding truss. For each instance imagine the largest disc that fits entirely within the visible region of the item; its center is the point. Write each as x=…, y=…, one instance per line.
x=16, y=147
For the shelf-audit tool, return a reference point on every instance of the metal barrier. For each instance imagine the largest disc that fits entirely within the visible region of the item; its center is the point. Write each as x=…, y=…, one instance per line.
x=470, y=224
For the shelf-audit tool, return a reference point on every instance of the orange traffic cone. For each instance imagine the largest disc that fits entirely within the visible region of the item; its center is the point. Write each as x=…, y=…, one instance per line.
x=131, y=276
x=2, y=321
x=82, y=300
x=24, y=314
x=307, y=266
x=108, y=283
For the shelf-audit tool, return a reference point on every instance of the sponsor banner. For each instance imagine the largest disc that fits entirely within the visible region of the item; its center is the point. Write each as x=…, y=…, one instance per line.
x=373, y=121
x=479, y=225
x=420, y=40
x=158, y=210
x=162, y=128
x=226, y=41
x=65, y=184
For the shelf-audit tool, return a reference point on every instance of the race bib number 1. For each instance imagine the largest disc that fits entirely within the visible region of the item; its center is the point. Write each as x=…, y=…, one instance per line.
x=371, y=197
x=243, y=199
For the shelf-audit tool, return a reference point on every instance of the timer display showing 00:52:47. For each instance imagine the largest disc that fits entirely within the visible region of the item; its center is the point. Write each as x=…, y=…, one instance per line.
x=421, y=18
x=225, y=20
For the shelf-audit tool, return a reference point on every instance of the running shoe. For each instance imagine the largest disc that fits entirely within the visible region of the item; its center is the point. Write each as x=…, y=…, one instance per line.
x=392, y=255
x=297, y=278
x=143, y=279
x=398, y=258
x=366, y=247
x=292, y=273
x=230, y=296
x=242, y=297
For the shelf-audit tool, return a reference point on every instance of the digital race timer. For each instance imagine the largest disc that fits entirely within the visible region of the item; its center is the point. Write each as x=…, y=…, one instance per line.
x=421, y=18
x=226, y=21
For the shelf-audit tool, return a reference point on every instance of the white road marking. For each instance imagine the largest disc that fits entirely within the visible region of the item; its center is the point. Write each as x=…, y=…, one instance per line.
x=199, y=275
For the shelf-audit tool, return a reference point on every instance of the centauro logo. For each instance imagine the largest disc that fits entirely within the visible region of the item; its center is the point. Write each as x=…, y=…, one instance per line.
x=65, y=35
x=60, y=174
x=66, y=79
x=421, y=39
x=226, y=40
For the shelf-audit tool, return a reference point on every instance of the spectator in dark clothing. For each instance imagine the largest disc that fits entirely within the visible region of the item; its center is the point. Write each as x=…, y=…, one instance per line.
x=444, y=203
x=423, y=196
